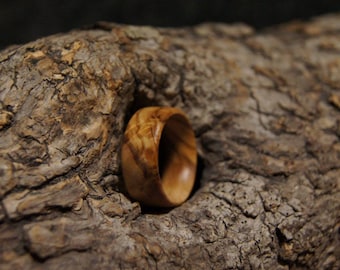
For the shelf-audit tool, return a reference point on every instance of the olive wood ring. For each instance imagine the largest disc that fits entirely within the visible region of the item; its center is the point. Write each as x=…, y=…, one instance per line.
x=159, y=157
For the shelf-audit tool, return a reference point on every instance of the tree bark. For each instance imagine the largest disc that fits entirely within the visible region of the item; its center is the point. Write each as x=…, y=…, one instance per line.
x=265, y=109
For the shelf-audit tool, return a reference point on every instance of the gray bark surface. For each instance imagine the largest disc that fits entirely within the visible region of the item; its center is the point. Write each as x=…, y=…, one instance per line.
x=265, y=109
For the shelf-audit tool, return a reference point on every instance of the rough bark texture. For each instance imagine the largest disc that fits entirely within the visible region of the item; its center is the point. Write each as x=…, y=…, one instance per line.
x=265, y=110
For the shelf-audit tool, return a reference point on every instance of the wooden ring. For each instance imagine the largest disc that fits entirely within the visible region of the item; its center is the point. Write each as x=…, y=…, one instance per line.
x=159, y=157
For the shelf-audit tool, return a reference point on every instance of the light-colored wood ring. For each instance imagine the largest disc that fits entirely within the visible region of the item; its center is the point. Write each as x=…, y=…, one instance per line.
x=159, y=157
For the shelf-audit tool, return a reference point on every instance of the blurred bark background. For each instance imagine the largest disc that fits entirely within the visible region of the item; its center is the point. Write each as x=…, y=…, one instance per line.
x=265, y=109
x=25, y=20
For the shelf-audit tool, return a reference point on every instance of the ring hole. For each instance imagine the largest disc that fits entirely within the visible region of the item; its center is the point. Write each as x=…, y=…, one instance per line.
x=177, y=159
x=165, y=155
x=141, y=100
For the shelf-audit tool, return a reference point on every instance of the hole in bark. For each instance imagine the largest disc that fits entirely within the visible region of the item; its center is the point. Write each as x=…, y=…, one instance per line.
x=281, y=258
x=280, y=236
x=283, y=261
x=140, y=101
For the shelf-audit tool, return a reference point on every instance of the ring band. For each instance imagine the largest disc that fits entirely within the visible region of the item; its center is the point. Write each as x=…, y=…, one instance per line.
x=159, y=157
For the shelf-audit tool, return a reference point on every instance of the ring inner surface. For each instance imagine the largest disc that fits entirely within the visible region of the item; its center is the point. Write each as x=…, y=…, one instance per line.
x=177, y=159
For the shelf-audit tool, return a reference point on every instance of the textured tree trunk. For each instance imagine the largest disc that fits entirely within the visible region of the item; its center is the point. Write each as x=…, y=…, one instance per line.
x=265, y=110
